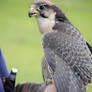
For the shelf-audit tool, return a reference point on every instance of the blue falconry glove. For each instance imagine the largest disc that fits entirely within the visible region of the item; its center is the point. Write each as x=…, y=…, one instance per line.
x=7, y=80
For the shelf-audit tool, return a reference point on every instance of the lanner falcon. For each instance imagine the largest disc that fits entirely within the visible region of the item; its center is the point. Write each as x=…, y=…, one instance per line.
x=67, y=55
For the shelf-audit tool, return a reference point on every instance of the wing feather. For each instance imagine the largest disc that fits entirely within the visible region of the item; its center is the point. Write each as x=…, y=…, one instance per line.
x=64, y=78
x=72, y=50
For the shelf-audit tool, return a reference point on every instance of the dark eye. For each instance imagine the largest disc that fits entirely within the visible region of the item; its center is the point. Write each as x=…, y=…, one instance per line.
x=42, y=7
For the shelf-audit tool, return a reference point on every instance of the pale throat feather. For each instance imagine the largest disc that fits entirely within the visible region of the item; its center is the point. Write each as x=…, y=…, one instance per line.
x=46, y=24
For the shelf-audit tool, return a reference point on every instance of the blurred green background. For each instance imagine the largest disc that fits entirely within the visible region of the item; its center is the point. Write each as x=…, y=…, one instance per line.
x=21, y=42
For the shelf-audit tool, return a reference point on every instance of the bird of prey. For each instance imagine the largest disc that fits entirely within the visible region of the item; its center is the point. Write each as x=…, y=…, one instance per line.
x=67, y=55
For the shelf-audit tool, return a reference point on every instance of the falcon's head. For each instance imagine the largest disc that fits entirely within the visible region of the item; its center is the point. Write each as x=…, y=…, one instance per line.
x=47, y=15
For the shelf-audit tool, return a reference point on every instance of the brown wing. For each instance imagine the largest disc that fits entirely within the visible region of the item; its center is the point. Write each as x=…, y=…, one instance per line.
x=30, y=87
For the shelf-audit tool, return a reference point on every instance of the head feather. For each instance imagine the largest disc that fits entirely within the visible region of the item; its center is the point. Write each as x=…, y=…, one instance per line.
x=46, y=1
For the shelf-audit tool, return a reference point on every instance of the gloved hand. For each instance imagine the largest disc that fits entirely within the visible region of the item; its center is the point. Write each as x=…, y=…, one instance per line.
x=9, y=85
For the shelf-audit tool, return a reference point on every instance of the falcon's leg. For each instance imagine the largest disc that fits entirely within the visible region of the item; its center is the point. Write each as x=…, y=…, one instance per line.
x=50, y=81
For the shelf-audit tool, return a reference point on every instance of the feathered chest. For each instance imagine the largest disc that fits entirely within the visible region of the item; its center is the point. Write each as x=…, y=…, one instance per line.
x=45, y=25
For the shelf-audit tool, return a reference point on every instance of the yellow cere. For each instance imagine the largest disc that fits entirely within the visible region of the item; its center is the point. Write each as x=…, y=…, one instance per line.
x=32, y=9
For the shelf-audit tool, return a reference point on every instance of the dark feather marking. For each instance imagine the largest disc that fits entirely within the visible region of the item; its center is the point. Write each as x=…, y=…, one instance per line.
x=89, y=46
x=60, y=16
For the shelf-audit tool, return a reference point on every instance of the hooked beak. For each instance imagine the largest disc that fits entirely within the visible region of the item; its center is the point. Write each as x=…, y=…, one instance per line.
x=33, y=12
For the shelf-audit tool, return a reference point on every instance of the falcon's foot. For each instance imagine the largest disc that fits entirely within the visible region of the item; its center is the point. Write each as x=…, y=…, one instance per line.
x=50, y=81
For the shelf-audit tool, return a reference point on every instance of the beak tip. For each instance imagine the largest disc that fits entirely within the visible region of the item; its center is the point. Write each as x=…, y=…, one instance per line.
x=30, y=14
x=33, y=12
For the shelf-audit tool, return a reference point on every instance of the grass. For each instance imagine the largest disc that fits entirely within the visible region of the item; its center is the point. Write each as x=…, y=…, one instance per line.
x=21, y=42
